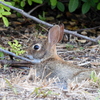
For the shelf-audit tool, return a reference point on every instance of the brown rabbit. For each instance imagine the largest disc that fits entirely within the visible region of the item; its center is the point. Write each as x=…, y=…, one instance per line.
x=46, y=50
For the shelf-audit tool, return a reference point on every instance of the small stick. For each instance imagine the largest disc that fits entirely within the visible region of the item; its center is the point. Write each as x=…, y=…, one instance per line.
x=15, y=63
x=35, y=8
x=89, y=28
x=19, y=57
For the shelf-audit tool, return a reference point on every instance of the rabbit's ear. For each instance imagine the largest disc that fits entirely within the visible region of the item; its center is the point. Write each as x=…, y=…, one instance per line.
x=61, y=32
x=53, y=35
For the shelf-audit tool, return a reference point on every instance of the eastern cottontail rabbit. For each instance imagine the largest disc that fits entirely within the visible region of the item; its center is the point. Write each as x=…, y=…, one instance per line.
x=46, y=49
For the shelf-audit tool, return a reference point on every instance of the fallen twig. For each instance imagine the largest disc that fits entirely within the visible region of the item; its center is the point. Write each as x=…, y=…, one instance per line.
x=89, y=28
x=19, y=57
x=35, y=8
x=47, y=24
x=15, y=63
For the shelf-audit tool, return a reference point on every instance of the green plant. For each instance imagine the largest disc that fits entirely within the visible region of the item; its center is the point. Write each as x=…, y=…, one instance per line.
x=22, y=3
x=81, y=48
x=4, y=11
x=1, y=53
x=69, y=46
x=85, y=4
x=99, y=42
x=10, y=85
x=16, y=47
x=95, y=77
x=58, y=4
x=39, y=91
x=54, y=3
x=42, y=17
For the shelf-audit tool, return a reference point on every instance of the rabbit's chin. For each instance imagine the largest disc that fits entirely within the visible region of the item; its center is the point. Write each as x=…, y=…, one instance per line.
x=29, y=57
x=34, y=59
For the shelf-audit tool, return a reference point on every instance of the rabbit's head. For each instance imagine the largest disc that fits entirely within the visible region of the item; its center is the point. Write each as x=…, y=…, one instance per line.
x=46, y=48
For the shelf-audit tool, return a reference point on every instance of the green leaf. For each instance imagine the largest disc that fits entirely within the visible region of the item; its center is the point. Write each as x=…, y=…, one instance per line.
x=94, y=76
x=73, y=4
x=22, y=3
x=96, y=1
x=92, y=3
x=30, y=2
x=85, y=7
x=49, y=92
x=98, y=6
x=8, y=3
x=8, y=82
x=60, y=6
x=38, y=1
x=6, y=8
x=85, y=0
x=43, y=14
x=9, y=43
x=1, y=55
x=6, y=13
x=13, y=3
x=15, y=91
x=53, y=2
x=99, y=42
x=19, y=45
x=16, y=42
x=0, y=15
x=53, y=7
x=40, y=17
x=5, y=20
x=1, y=10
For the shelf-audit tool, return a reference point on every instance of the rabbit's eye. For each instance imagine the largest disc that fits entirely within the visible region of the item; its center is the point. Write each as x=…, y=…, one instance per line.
x=36, y=47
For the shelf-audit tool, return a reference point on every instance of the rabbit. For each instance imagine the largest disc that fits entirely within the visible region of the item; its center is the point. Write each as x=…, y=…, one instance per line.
x=53, y=65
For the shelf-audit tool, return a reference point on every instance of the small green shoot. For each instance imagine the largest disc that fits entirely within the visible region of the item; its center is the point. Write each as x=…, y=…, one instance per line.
x=38, y=91
x=42, y=17
x=5, y=67
x=1, y=53
x=16, y=47
x=10, y=85
x=99, y=42
x=94, y=77
x=81, y=48
x=69, y=46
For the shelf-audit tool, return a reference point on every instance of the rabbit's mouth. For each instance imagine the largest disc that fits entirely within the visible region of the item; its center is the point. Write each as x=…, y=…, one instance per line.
x=34, y=59
x=29, y=57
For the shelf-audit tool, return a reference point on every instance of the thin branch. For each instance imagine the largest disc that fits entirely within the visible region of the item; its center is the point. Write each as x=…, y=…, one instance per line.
x=47, y=24
x=19, y=57
x=15, y=63
x=89, y=28
x=35, y=8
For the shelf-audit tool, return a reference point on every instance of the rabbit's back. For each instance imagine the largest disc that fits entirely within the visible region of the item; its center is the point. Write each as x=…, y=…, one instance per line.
x=63, y=70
